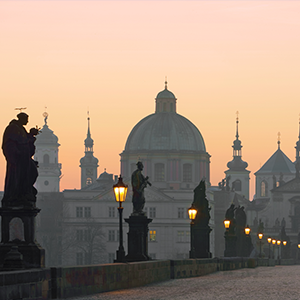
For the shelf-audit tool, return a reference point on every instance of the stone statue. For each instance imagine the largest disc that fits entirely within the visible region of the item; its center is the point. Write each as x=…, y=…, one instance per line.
x=201, y=204
x=21, y=170
x=283, y=223
x=241, y=217
x=229, y=215
x=139, y=182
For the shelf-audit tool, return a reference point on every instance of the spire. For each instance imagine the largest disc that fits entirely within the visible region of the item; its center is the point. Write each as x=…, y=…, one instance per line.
x=237, y=145
x=278, y=141
x=237, y=125
x=88, y=142
x=166, y=83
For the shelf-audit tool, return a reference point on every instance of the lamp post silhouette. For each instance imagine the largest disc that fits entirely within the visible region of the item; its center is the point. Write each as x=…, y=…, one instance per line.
x=269, y=239
x=298, y=251
x=260, y=236
x=120, y=190
x=273, y=242
x=278, y=244
x=192, y=211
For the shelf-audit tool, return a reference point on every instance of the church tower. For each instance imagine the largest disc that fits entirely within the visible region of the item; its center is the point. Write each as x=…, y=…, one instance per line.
x=239, y=176
x=46, y=154
x=88, y=163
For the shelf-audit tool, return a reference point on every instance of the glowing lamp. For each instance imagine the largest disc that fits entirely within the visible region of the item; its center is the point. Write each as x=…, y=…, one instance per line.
x=284, y=243
x=226, y=223
x=278, y=242
x=192, y=212
x=260, y=236
x=269, y=240
x=120, y=190
x=273, y=242
x=247, y=230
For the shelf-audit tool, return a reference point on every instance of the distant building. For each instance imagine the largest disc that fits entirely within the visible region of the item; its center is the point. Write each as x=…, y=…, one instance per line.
x=46, y=154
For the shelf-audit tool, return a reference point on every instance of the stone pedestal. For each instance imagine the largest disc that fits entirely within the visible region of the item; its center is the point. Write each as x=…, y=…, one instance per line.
x=138, y=238
x=201, y=243
x=18, y=229
x=230, y=245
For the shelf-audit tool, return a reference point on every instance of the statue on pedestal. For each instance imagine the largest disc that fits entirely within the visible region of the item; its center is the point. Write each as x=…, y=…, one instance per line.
x=139, y=183
x=21, y=171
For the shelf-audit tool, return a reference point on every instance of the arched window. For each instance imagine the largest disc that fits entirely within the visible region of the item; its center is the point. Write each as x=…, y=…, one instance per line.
x=159, y=172
x=237, y=185
x=187, y=173
x=46, y=159
x=263, y=189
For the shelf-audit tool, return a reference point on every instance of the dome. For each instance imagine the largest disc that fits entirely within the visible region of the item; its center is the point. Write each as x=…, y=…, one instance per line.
x=46, y=136
x=165, y=132
x=237, y=164
x=165, y=94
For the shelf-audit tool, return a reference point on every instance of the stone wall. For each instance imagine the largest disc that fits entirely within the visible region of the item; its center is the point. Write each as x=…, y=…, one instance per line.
x=66, y=282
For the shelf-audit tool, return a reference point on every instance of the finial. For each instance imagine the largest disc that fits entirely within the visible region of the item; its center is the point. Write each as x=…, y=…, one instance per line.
x=278, y=142
x=104, y=169
x=166, y=83
x=45, y=115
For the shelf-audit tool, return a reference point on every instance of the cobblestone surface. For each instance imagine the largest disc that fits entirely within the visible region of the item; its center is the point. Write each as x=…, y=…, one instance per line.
x=263, y=283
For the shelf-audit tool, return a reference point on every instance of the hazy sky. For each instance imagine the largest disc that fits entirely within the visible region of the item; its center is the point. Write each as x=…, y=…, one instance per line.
x=111, y=58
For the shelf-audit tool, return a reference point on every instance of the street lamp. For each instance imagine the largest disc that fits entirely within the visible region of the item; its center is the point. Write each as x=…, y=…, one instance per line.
x=298, y=250
x=273, y=242
x=278, y=244
x=247, y=230
x=192, y=211
x=227, y=224
x=269, y=239
x=120, y=190
x=260, y=236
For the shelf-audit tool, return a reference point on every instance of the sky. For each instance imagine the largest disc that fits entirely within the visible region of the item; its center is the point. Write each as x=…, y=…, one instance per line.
x=111, y=58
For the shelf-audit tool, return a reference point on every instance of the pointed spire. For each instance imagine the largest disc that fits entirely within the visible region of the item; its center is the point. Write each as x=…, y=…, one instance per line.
x=88, y=142
x=278, y=141
x=237, y=125
x=166, y=83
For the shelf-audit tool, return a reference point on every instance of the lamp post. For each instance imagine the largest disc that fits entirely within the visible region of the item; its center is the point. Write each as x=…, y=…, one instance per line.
x=278, y=244
x=260, y=236
x=192, y=211
x=120, y=190
x=247, y=244
x=298, y=251
x=273, y=242
x=269, y=239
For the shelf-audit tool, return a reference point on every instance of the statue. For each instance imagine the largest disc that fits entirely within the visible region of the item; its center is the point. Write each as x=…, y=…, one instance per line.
x=241, y=218
x=201, y=204
x=227, y=183
x=21, y=170
x=229, y=215
x=139, y=182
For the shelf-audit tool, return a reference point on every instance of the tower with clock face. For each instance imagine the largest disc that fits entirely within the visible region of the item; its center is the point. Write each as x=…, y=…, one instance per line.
x=88, y=163
x=46, y=154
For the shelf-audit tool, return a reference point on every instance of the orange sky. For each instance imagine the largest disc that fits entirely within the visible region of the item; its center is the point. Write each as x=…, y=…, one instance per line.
x=111, y=58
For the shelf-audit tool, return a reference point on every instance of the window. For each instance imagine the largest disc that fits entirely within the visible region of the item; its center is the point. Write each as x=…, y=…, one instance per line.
x=237, y=185
x=111, y=257
x=46, y=159
x=79, y=258
x=89, y=181
x=187, y=173
x=152, y=235
x=79, y=212
x=183, y=236
x=159, y=172
x=181, y=212
x=87, y=212
x=111, y=235
x=111, y=212
x=79, y=235
x=263, y=189
x=87, y=235
x=171, y=107
x=152, y=212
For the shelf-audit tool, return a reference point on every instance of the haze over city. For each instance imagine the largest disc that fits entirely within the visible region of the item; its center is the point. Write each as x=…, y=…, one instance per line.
x=111, y=58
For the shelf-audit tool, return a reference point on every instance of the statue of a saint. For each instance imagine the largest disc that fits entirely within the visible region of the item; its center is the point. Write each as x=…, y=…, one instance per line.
x=139, y=182
x=21, y=171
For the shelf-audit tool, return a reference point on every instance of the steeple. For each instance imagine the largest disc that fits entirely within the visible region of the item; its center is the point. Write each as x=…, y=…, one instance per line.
x=237, y=144
x=89, y=142
x=165, y=101
x=88, y=163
